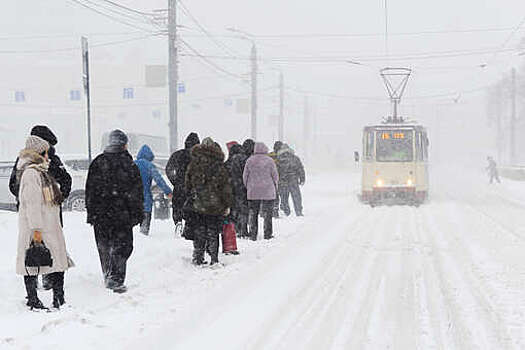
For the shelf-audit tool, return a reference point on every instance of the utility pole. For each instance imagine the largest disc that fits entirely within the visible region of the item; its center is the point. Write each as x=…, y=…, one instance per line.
x=173, y=74
x=512, y=123
x=85, y=80
x=254, y=93
x=281, y=108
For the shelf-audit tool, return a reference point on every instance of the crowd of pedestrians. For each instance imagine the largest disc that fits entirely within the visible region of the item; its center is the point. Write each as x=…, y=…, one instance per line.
x=210, y=197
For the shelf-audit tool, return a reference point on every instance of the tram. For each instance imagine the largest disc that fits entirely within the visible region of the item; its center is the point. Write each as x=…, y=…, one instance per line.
x=395, y=163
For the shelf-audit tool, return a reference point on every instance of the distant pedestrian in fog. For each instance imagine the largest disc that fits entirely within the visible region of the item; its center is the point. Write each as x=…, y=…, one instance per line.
x=261, y=180
x=356, y=158
x=492, y=169
x=39, y=221
x=291, y=176
x=274, y=155
x=114, y=203
x=149, y=172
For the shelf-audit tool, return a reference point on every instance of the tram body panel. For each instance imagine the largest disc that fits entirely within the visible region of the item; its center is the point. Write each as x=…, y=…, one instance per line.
x=395, y=166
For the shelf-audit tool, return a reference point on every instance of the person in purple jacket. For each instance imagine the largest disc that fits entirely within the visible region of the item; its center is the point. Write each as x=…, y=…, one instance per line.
x=261, y=180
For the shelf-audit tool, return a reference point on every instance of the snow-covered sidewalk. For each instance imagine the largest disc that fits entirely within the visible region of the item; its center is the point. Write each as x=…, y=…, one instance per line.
x=447, y=275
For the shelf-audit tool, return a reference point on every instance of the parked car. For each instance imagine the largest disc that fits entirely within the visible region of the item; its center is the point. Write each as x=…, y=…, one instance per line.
x=7, y=200
x=77, y=166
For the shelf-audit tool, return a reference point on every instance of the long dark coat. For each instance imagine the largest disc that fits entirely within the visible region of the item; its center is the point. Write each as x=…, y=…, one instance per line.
x=208, y=181
x=114, y=192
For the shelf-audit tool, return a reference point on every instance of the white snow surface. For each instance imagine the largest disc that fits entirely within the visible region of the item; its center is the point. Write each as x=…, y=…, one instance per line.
x=447, y=275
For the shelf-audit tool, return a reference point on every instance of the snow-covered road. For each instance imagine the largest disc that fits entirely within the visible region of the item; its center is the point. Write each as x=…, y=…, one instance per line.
x=447, y=275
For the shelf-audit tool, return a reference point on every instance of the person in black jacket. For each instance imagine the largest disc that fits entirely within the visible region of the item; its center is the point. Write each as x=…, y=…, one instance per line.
x=240, y=208
x=208, y=184
x=291, y=175
x=114, y=203
x=56, y=170
x=176, y=173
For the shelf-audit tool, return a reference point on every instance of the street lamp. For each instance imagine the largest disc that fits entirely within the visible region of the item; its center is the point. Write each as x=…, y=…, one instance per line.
x=253, y=57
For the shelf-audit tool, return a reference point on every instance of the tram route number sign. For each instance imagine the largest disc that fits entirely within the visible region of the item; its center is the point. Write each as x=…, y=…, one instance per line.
x=392, y=135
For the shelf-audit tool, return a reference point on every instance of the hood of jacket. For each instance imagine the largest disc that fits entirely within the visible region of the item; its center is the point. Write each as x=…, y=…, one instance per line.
x=191, y=140
x=247, y=146
x=285, y=149
x=260, y=148
x=146, y=153
x=27, y=157
x=209, y=153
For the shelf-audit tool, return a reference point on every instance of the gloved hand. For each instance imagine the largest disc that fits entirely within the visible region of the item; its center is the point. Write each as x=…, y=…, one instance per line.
x=301, y=183
x=37, y=236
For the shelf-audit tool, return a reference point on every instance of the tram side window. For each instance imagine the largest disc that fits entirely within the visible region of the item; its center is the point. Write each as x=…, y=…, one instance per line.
x=419, y=146
x=425, y=146
x=369, y=145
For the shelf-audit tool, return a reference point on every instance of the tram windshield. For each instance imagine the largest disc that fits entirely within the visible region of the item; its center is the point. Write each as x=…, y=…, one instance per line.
x=395, y=146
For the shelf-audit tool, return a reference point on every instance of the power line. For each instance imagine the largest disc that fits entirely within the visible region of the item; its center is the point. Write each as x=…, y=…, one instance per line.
x=219, y=44
x=128, y=8
x=75, y=48
x=209, y=62
x=115, y=19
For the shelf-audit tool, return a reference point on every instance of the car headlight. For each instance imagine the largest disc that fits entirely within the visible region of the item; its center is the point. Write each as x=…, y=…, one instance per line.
x=410, y=182
x=379, y=183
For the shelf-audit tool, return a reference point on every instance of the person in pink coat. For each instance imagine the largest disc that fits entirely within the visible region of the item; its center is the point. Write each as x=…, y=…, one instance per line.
x=261, y=180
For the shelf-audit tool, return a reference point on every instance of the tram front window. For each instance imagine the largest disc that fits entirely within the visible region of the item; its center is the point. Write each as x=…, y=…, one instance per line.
x=394, y=146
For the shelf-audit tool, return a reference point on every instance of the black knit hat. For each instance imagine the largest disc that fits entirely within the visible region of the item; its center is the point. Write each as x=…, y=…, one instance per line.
x=45, y=133
x=277, y=146
x=192, y=140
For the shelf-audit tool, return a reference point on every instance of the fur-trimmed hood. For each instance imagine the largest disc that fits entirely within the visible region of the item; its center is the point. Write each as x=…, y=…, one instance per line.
x=212, y=153
x=29, y=157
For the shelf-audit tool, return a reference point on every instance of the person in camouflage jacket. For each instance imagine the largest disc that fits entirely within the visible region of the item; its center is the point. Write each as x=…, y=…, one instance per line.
x=208, y=186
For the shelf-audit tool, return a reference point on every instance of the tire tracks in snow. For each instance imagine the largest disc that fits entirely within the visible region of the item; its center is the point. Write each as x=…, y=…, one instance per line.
x=495, y=331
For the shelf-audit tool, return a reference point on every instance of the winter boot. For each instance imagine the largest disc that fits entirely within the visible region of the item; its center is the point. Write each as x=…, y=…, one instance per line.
x=35, y=304
x=47, y=284
x=58, y=300
x=120, y=289
x=32, y=298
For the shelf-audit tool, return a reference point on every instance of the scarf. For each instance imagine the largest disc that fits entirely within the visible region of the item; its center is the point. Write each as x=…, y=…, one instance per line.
x=31, y=160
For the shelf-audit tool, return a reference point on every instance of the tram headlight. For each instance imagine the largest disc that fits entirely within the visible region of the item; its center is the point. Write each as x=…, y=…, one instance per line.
x=410, y=182
x=379, y=183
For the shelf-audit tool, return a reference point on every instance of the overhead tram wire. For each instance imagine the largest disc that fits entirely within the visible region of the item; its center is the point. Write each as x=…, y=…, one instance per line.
x=509, y=37
x=129, y=8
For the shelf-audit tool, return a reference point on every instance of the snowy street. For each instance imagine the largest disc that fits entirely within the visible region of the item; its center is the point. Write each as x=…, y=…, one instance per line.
x=447, y=275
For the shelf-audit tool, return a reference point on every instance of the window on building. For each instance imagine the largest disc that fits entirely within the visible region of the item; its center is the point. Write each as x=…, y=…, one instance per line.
x=74, y=95
x=20, y=96
x=128, y=94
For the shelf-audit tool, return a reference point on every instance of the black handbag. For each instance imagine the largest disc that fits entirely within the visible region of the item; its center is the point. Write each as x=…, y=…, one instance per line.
x=38, y=255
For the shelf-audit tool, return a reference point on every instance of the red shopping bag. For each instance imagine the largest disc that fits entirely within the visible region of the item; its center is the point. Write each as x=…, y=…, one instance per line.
x=229, y=239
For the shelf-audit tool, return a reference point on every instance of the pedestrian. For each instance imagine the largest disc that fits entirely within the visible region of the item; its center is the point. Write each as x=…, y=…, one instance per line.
x=114, y=203
x=39, y=221
x=241, y=209
x=492, y=169
x=261, y=180
x=356, y=158
x=149, y=172
x=276, y=147
x=291, y=176
x=208, y=185
x=176, y=173
x=56, y=170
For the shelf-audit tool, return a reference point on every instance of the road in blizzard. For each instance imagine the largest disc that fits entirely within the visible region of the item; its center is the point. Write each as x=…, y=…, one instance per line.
x=447, y=275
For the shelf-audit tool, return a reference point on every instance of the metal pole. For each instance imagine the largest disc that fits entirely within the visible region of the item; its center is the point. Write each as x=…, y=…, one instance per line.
x=281, y=108
x=306, y=126
x=512, y=124
x=254, y=93
x=85, y=78
x=173, y=74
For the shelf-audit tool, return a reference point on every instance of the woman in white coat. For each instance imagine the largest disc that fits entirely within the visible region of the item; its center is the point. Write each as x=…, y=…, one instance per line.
x=39, y=220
